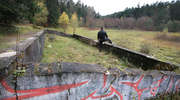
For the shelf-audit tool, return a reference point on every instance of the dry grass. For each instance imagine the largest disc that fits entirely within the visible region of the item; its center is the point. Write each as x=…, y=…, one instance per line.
x=169, y=37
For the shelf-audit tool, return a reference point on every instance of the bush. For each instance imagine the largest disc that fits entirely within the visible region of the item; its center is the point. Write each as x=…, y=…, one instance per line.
x=127, y=23
x=161, y=36
x=174, y=26
x=145, y=48
x=160, y=27
x=99, y=22
x=109, y=23
x=145, y=23
x=51, y=37
x=167, y=37
x=8, y=29
x=123, y=23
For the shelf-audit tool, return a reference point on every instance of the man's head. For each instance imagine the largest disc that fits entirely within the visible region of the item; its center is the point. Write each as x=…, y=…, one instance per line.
x=102, y=28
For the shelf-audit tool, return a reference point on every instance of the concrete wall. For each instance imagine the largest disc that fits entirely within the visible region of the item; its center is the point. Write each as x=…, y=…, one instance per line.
x=73, y=81
x=58, y=33
x=31, y=48
x=34, y=52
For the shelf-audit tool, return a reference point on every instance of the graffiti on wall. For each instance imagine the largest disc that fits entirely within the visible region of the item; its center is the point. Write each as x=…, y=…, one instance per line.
x=38, y=92
x=109, y=90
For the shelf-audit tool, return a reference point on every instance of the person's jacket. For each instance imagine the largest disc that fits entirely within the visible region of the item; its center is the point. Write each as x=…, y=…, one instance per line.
x=102, y=35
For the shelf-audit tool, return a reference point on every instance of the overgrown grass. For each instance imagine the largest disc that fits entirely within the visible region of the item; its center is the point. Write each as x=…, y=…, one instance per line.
x=71, y=50
x=133, y=39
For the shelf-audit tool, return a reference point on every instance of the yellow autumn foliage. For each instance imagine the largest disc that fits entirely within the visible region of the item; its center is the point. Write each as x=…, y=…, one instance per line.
x=74, y=22
x=64, y=21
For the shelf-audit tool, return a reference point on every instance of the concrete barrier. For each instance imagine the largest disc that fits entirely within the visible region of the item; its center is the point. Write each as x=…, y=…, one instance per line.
x=31, y=50
x=58, y=33
x=73, y=81
x=85, y=40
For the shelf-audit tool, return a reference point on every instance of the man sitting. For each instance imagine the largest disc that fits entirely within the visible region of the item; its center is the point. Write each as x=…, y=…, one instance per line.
x=103, y=37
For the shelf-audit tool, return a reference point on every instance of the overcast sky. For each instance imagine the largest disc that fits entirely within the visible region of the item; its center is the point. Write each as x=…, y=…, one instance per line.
x=105, y=7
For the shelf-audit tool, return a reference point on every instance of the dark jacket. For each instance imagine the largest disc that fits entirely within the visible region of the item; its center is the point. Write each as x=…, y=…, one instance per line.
x=102, y=35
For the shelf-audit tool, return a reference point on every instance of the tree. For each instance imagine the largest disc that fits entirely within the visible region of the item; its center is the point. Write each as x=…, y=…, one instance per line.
x=174, y=10
x=81, y=21
x=90, y=20
x=41, y=17
x=53, y=12
x=82, y=10
x=18, y=11
x=64, y=21
x=74, y=22
x=174, y=26
x=145, y=23
x=161, y=16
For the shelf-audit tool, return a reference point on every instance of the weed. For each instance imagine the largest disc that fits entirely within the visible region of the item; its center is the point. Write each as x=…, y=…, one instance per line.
x=145, y=48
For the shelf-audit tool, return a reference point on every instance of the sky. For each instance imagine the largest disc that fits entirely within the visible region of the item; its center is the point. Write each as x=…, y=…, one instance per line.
x=105, y=7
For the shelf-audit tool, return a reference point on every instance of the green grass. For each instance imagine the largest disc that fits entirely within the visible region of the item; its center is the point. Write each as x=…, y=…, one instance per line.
x=71, y=50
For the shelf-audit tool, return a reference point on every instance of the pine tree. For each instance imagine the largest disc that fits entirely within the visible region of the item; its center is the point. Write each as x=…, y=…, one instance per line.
x=74, y=22
x=53, y=12
x=64, y=21
x=18, y=11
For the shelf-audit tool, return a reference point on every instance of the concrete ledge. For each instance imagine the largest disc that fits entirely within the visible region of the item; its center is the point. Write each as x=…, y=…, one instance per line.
x=85, y=40
x=58, y=33
x=63, y=67
x=32, y=49
x=69, y=67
